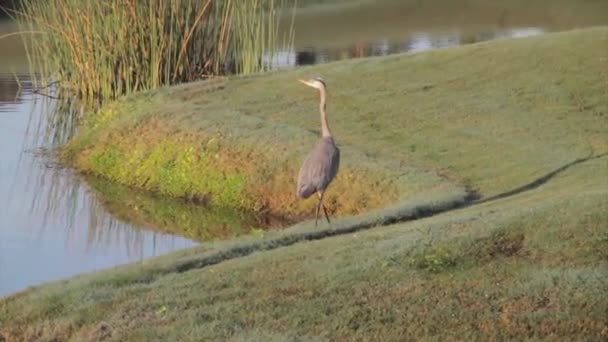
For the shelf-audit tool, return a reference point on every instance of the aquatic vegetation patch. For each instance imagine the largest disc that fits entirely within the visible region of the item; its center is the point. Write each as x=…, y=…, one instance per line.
x=169, y=214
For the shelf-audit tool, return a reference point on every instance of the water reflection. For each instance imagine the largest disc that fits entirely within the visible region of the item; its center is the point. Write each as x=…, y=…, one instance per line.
x=167, y=214
x=51, y=224
x=412, y=43
x=11, y=91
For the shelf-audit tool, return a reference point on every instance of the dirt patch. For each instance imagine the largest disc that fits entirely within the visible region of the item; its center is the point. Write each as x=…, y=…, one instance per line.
x=504, y=242
x=100, y=332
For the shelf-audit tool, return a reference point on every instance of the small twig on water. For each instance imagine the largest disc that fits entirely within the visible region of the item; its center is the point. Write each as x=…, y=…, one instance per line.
x=19, y=88
x=48, y=85
x=38, y=92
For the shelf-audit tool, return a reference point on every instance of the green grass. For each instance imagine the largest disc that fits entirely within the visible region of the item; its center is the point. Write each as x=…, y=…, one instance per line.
x=522, y=267
x=522, y=122
x=487, y=117
x=143, y=143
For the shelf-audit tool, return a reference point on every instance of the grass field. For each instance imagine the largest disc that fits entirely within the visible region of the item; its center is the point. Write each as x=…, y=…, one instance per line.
x=486, y=117
x=521, y=124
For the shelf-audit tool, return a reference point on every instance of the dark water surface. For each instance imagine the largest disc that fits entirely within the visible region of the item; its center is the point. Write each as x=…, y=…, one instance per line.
x=336, y=30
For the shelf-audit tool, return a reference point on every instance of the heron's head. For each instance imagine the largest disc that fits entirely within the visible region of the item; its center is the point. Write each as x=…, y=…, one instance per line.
x=316, y=82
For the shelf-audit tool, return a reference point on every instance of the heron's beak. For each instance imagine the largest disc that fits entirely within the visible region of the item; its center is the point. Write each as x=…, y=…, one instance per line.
x=305, y=82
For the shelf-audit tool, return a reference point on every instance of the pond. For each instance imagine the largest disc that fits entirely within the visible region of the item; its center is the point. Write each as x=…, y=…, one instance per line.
x=55, y=224
x=333, y=30
x=51, y=225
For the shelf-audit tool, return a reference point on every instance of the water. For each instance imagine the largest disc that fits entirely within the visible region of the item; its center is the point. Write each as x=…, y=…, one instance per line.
x=414, y=42
x=361, y=28
x=51, y=225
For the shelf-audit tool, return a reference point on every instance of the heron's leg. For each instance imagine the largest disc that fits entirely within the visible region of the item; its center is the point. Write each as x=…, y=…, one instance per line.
x=323, y=205
x=325, y=211
x=318, y=207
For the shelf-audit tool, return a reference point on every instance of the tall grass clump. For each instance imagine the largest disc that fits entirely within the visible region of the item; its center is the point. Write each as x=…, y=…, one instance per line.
x=104, y=49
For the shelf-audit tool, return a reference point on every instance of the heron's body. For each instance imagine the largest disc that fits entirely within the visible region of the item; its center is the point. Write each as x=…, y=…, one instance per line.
x=319, y=168
x=322, y=163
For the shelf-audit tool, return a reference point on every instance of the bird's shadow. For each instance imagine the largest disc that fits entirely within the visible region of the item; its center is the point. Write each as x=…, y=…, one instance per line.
x=538, y=181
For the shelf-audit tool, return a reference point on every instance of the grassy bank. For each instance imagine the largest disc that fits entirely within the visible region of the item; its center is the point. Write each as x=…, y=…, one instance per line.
x=530, y=266
x=483, y=117
x=520, y=122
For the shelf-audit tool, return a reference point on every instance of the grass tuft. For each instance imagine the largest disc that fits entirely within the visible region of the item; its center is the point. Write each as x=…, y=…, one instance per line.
x=101, y=50
x=504, y=242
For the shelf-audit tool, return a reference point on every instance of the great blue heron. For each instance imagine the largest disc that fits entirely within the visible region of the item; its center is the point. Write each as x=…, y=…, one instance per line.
x=322, y=163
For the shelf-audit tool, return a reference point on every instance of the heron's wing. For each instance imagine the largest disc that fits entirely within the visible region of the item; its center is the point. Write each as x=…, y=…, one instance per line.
x=335, y=163
x=319, y=168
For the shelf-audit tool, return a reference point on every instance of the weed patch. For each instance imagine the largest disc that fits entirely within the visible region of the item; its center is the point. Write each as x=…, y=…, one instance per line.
x=460, y=253
x=436, y=259
x=503, y=242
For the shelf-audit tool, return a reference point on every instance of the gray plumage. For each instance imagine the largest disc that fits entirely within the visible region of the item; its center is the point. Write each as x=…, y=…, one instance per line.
x=322, y=163
x=319, y=168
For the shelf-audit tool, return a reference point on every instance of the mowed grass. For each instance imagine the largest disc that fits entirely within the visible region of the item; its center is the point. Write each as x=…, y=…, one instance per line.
x=522, y=119
x=487, y=117
x=530, y=266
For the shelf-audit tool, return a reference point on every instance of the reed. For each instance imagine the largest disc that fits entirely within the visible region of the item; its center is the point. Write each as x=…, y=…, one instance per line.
x=104, y=49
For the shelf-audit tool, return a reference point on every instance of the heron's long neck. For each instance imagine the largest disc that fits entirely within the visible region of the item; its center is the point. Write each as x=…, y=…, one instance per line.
x=324, y=127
